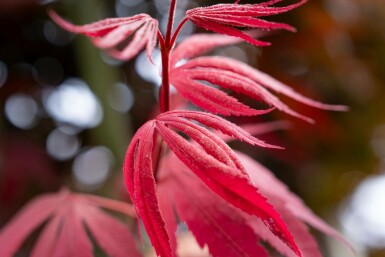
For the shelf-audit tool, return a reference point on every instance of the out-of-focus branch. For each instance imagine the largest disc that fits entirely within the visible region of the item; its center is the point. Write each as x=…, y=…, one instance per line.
x=114, y=131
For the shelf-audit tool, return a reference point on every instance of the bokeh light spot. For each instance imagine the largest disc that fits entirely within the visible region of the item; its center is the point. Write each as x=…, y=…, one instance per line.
x=74, y=103
x=56, y=35
x=22, y=111
x=147, y=70
x=62, y=146
x=120, y=97
x=91, y=168
x=363, y=217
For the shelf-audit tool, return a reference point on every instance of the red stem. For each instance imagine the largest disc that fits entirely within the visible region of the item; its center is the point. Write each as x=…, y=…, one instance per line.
x=164, y=92
x=166, y=45
x=165, y=49
x=161, y=39
x=170, y=22
x=173, y=39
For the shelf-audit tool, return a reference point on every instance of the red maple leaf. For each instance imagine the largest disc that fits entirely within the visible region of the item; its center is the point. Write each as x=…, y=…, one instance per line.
x=110, y=33
x=68, y=215
x=226, y=230
x=294, y=212
x=292, y=209
x=214, y=222
x=191, y=80
x=209, y=158
x=225, y=191
x=226, y=18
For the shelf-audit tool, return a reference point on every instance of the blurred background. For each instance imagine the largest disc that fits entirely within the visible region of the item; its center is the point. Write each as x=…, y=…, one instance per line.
x=67, y=110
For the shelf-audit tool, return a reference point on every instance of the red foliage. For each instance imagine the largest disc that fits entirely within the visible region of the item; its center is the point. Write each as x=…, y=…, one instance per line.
x=109, y=33
x=226, y=230
x=212, y=161
x=222, y=18
x=231, y=74
x=211, y=219
x=229, y=202
x=65, y=234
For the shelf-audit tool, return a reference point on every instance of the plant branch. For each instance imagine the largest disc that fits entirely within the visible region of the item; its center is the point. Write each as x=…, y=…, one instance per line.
x=161, y=40
x=100, y=76
x=170, y=22
x=164, y=92
x=173, y=39
x=165, y=49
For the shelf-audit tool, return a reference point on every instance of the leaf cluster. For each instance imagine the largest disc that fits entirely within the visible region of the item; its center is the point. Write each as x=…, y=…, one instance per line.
x=178, y=167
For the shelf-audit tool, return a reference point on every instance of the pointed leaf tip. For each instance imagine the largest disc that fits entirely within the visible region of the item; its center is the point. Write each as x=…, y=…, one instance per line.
x=218, y=168
x=111, y=33
x=206, y=156
x=67, y=215
x=210, y=218
x=231, y=74
x=294, y=212
x=140, y=181
x=226, y=18
x=213, y=121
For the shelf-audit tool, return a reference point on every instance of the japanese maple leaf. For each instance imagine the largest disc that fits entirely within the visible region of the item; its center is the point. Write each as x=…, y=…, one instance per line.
x=292, y=209
x=111, y=33
x=294, y=212
x=227, y=18
x=69, y=218
x=213, y=221
x=226, y=230
x=191, y=79
x=209, y=158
